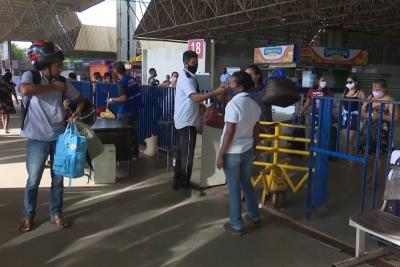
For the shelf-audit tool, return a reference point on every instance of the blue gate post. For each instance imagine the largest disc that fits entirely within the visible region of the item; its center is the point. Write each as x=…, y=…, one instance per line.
x=311, y=175
x=320, y=187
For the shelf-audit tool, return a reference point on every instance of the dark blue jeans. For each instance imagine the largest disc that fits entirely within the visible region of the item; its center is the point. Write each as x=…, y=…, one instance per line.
x=132, y=119
x=37, y=154
x=237, y=168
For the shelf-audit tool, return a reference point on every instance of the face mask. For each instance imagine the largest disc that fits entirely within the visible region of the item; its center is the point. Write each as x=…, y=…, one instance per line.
x=322, y=85
x=378, y=94
x=193, y=69
x=350, y=86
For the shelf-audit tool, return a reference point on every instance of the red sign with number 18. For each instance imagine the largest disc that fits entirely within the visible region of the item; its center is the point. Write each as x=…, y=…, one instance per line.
x=197, y=45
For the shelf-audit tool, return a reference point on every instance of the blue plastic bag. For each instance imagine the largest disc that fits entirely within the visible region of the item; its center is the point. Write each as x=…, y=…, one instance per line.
x=70, y=155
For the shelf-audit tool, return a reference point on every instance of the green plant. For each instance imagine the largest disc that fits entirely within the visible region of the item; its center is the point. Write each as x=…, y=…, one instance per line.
x=17, y=53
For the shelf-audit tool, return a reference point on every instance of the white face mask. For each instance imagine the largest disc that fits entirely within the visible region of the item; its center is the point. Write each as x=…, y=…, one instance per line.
x=322, y=85
x=350, y=85
x=378, y=94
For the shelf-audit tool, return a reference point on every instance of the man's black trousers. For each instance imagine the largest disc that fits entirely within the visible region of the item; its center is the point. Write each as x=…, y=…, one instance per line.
x=184, y=156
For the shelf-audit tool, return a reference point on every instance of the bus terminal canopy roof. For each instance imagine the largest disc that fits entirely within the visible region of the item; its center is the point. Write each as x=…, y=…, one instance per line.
x=26, y=20
x=272, y=21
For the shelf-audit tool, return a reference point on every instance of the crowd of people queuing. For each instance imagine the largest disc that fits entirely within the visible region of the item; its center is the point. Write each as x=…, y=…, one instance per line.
x=107, y=77
x=44, y=119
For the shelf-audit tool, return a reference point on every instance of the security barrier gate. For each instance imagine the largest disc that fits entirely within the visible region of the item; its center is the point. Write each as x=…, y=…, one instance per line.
x=374, y=121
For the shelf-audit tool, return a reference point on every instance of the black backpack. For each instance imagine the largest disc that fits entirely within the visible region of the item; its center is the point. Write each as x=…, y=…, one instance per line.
x=26, y=100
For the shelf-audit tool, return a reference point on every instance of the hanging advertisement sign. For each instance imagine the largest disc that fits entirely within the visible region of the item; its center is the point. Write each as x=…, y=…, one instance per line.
x=274, y=54
x=339, y=56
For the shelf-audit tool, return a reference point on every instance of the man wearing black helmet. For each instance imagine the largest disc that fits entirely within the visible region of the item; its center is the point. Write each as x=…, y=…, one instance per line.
x=43, y=120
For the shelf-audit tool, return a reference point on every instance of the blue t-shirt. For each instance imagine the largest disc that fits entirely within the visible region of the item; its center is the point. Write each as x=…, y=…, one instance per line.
x=130, y=87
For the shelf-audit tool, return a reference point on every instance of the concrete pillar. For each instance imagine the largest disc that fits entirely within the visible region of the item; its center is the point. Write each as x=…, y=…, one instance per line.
x=212, y=62
x=126, y=26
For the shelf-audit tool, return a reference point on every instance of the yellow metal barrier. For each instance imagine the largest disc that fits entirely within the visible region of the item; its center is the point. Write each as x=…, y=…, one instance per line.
x=274, y=176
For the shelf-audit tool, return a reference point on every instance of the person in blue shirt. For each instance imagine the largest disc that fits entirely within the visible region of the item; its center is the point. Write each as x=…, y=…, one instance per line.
x=129, y=102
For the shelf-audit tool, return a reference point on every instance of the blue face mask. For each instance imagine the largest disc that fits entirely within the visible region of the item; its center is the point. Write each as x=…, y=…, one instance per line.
x=230, y=91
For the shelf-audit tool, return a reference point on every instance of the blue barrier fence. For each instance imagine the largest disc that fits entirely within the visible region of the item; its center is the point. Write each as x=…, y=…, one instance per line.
x=85, y=88
x=156, y=118
x=102, y=92
x=368, y=138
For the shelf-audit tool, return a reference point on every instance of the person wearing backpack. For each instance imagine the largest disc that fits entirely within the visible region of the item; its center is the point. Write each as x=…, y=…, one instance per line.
x=43, y=91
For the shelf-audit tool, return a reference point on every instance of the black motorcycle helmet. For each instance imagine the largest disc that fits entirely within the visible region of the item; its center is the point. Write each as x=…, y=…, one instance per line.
x=42, y=54
x=88, y=115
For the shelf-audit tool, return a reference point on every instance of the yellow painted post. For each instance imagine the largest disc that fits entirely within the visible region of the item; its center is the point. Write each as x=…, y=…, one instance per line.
x=275, y=157
x=276, y=144
x=278, y=180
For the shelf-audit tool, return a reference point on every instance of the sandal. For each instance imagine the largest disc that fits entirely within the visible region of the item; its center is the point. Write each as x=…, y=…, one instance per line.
x=26, y=225
x=59, y=221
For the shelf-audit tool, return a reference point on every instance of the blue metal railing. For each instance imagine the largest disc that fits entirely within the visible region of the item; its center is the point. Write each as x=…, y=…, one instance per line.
x=85, y=88
x=369, y=138
x=156, y=117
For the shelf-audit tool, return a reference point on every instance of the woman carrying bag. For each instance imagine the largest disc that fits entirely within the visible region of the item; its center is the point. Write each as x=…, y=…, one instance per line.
x=236, y=154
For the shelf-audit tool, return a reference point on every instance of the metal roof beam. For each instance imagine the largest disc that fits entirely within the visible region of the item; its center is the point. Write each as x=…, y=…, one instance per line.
x=217, y=17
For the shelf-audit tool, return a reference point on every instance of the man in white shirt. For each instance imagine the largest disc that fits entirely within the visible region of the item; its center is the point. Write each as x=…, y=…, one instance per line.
x=187, y=118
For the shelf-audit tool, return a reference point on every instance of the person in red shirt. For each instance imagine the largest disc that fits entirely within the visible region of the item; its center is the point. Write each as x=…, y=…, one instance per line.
x=322, y=90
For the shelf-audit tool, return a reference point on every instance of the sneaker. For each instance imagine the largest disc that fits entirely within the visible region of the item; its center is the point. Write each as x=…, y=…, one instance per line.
x=228, y=227
x=257, y=224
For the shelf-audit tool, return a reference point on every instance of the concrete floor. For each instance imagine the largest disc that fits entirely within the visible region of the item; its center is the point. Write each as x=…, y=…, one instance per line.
x=144, y=223
x=140, y=221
